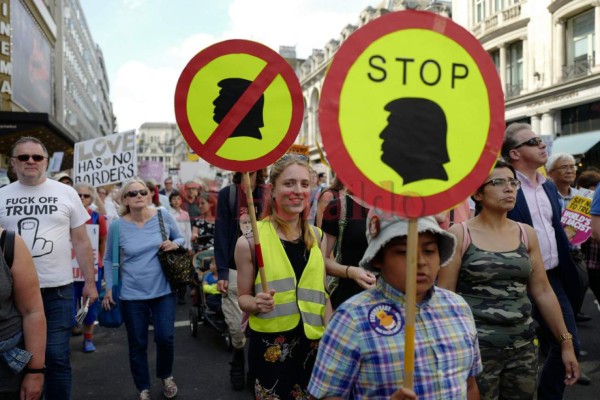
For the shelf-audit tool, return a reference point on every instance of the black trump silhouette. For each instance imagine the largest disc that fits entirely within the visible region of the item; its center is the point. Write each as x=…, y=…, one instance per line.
x=231, y=90
x=414, y=140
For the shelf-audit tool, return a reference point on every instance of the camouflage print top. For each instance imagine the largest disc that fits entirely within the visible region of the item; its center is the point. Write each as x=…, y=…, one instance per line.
x=494, y=284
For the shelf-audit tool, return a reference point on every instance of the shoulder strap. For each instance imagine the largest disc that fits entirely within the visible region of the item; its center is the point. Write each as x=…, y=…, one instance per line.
x=466, y=238
x=317, y=233
x=524, y=237
x=115, y=251
x=232, y=207
x=7, y=242
x=341, y=228
x=162, y=225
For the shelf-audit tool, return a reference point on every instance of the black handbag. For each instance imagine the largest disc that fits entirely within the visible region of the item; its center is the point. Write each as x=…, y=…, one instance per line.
x=176, y=264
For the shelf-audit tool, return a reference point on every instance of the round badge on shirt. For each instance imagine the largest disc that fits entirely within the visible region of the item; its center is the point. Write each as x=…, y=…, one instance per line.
x=386, y=319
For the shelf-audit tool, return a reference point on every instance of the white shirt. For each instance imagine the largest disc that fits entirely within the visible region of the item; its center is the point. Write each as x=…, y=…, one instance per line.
x=43, y=215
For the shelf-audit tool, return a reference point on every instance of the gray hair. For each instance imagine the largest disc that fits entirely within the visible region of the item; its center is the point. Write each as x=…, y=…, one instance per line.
x=509, y=138
x=123, y=209
x=28, y=139
x=89, y=187
x=555, y=158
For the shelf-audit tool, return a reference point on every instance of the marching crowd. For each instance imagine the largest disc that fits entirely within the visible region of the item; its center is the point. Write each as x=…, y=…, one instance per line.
x=320, y=312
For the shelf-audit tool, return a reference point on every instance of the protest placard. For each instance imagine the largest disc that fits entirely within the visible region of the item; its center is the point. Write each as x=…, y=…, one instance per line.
x=93, y=231
x=576, y=220
x=105, y=160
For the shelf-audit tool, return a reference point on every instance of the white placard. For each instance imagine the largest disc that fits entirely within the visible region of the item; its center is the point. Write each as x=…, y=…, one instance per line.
x=93, y=231
x=105, y=160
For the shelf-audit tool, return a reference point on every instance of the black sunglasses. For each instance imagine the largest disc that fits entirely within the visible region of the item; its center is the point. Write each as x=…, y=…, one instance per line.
x=84, y=196
x=134, y=193
x=533, y=142
x=26, y=157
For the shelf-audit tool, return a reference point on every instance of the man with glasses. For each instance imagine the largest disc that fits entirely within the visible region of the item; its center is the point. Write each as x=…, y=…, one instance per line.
x=49, y=216
x=561, y=168
x=538, y=205
x=168, y=189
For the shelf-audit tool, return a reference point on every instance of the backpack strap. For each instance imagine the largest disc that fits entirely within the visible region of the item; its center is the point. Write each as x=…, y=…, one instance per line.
x=7, y=243
x=466, y=238
x=232, y=205
x=341, y=227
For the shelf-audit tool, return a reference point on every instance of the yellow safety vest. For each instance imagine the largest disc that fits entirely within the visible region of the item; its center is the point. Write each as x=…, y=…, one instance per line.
x=292, y=299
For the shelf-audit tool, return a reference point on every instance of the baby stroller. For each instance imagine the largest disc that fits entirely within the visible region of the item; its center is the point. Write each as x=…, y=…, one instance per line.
x=206, y=301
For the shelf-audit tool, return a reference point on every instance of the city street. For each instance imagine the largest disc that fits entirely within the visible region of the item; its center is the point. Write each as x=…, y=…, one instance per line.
x=202, y=369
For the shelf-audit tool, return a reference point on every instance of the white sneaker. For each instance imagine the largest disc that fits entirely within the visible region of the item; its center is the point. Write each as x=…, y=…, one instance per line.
x=169, y=388
x=145, y=394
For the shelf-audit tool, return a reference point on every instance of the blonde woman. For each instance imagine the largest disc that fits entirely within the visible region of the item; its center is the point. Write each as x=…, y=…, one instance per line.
x=285, y=325
x=145, y=290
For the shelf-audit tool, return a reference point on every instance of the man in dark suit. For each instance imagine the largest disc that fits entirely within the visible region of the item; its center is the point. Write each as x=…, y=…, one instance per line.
x=538, y=205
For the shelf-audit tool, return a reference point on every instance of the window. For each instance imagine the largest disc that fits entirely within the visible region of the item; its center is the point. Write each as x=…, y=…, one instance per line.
x=495, y=55
x=580, y=44
x=514, y=69
x=479, y=10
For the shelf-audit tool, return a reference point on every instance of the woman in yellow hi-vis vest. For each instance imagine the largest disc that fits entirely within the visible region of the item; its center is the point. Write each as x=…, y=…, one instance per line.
x=285, y=324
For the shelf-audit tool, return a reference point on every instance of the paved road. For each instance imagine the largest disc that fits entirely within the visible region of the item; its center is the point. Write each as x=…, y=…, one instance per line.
x=201, y=364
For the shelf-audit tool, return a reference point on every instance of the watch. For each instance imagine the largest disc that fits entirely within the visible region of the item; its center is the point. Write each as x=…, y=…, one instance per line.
x=566, y=336
x=35, y=370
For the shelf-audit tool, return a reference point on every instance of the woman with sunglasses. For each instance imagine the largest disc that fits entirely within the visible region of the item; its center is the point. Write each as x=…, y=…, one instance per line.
x=285, y=324
x=499, y=270
x=88, y=195
x=145, y=292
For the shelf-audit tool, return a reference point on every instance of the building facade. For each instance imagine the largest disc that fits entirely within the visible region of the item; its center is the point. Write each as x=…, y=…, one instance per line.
x=161, y=142
x=53, y=81
x=311, y=71
x=545, y=52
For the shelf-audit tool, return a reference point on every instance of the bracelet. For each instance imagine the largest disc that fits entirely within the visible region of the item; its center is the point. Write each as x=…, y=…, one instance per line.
x=35, y=370
x=347, y=268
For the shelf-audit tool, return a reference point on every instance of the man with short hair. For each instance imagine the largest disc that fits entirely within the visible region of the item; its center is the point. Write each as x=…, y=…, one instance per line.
x=168, y=189
x=538, y=205
x=49, y=216
x=562, y=170
x=231, y=204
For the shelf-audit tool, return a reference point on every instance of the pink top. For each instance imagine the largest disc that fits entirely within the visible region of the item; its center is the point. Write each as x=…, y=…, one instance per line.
x=541, y=215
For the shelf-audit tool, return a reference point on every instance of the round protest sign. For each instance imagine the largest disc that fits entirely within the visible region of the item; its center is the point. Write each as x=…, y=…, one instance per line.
x=412, y=113
x=239, y=105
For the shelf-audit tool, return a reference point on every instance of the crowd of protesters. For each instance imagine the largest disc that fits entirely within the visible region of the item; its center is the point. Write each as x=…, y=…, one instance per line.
x=495, y=276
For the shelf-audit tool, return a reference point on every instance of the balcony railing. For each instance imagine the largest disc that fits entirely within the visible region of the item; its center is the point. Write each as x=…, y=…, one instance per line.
x=513, y=90
x=579, y=68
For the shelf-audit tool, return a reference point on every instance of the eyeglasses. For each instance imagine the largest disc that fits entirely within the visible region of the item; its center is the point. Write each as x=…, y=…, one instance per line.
x=565, y=168
x=26, y=157
x=533, y=142
x=134, y=193
x=84, y=195
x=501, y=182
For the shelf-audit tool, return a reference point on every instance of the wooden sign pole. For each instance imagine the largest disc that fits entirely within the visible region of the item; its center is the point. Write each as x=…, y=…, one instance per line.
x=411, y=302
x=257, y=249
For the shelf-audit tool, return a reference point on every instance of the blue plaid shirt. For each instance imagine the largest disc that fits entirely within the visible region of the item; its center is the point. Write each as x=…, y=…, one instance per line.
x=362, y=350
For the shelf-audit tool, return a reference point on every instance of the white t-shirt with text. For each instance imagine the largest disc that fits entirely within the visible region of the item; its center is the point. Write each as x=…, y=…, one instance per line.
x=43, y=215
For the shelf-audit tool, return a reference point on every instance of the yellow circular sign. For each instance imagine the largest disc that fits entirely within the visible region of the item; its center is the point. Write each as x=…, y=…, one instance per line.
x=432, y=68
x=239, y=105
x=412, y=113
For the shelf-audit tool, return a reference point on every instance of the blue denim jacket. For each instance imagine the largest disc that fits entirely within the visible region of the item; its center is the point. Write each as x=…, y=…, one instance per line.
x=13, y=356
